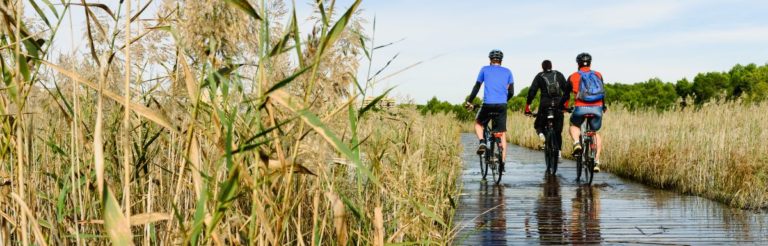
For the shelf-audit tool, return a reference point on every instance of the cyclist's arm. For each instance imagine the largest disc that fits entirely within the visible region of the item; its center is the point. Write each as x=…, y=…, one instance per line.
x=533, y=90
x=474, y=91
x=568, y=90
x=605, y=106
x=510, y=91
x=565, y=85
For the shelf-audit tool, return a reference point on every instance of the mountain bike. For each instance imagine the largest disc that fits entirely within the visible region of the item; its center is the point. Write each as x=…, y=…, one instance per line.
x=551, y=149
x=491, y=159
x=586, y=159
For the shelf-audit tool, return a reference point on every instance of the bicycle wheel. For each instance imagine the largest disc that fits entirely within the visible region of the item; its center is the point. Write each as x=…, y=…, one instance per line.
x=483, y=166
x=498, y=153
x=550, y=152
x=589, y=162
x=493, y=161
x=579, y=164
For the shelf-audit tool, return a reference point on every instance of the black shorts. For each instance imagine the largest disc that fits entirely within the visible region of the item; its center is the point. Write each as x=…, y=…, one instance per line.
x=495, y=112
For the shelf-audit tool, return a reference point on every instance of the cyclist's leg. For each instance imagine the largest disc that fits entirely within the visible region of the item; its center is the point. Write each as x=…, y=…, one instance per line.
x=480, y=120
x=596, y=123
x=479, y=130
x=500, y=125
x=503, y=147
x=538, y=122
x=599, y=144
x=577, y=118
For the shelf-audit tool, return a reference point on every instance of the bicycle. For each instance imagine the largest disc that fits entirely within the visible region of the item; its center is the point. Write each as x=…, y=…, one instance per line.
x=586, y=159
x=493, y=155
x=491, y=158
x=551, y=147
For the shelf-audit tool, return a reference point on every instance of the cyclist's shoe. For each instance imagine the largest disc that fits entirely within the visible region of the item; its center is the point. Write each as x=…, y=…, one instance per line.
x=541, y=136
x=576, y=149
x=482, y=147
x=597, y=167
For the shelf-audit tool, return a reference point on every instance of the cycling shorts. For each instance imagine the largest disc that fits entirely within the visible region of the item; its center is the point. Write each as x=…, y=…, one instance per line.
x=577, y=117
x=497, y=113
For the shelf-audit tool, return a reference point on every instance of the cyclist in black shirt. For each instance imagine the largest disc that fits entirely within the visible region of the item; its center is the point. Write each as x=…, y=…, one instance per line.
x=553, y=87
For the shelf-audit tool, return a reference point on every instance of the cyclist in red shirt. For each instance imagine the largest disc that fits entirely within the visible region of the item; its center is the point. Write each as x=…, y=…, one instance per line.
x=582, y=108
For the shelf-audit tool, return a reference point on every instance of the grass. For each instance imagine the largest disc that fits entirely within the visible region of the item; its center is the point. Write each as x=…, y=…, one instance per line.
x=717, y=152
x=185, y=130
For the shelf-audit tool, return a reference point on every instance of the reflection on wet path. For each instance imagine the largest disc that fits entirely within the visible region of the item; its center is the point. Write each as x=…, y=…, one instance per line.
x=491, y=225
x=529, y=208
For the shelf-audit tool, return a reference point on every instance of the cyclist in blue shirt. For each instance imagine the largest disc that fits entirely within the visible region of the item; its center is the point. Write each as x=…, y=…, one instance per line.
x=498, y=90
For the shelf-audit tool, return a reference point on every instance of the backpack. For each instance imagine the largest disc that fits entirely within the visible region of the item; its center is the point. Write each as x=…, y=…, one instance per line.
x=591, y=88
x=553, y=87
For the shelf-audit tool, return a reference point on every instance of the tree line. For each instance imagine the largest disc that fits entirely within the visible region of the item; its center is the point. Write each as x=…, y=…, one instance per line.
x=747, y=83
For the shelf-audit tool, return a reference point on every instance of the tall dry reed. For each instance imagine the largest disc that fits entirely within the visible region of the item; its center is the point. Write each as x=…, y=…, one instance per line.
x=215, y=122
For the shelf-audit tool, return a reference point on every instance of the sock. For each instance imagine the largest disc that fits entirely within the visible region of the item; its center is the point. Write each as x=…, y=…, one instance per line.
x=576, y=142
x=482, y=141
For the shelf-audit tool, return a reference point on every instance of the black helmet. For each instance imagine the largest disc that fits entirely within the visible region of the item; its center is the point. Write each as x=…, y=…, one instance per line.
x=496, y=55
x=584, y=59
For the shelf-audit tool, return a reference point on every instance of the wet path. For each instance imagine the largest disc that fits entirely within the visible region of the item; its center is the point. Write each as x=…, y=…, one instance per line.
x=531, y=209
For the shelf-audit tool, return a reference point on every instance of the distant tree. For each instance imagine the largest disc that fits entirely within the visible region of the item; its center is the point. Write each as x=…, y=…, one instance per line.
x=710, y=86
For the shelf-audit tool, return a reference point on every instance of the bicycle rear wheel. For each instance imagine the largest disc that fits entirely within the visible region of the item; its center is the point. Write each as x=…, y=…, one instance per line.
x=579, y=162
x=591, y=172
x=550, y=152
x=492, y=161
x=579, y=166
x=589, y=162
x=483, y=166
x=498, y=154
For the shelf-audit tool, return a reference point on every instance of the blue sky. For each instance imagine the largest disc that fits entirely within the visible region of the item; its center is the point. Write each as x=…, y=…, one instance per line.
x=630, y=40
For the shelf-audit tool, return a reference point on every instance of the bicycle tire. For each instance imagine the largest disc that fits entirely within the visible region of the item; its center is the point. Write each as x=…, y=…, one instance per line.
x=579, y=163
x=483, y=166
x=491, y=160
x=498, y=154
x=550, y=152
x=589, y=161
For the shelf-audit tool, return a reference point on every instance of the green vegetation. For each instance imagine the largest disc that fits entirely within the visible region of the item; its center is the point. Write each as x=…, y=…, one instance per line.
x=746, y=83
x=742, y=83
x=434, y=106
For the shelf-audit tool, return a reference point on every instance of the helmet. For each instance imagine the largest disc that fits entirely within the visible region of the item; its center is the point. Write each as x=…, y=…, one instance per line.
x=496, y=55
x=584, y=59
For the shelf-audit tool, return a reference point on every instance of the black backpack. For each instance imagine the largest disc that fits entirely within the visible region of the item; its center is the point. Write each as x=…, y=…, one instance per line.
x=552, y=86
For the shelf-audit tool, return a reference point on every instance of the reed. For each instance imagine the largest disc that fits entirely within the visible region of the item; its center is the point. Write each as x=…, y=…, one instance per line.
x=238, y=131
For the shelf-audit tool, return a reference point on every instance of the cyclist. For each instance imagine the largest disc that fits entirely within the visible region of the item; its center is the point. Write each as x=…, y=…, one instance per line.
x=553, y=89
x=498, y=90
x=582, y=108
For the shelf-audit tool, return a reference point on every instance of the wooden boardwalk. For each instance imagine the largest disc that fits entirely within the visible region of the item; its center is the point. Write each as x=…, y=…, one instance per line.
x=529, y=208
